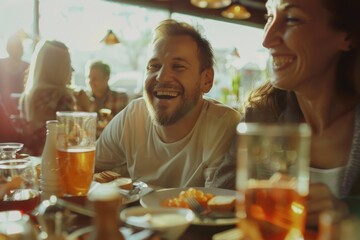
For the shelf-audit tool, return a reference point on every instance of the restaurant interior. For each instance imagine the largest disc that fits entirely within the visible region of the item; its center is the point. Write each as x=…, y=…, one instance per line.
x=118, y=32
x=83, y=25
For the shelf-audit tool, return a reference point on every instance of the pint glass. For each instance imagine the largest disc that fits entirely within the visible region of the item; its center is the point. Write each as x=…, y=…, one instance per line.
x=75, y=146
x=273, y=178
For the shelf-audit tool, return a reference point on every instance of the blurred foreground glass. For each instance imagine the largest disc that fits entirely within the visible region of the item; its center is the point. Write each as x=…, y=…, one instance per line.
x=15, y=225
x=9, y=150
x=338, y=225
x=273, y=178
x=19, y=188
x=76, y=135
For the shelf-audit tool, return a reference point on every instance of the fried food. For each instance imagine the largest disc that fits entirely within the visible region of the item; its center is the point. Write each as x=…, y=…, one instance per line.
x=106, y=176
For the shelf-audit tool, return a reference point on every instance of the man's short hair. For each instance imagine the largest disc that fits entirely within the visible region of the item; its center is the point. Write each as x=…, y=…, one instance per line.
x=105, y=68
x=172, y=27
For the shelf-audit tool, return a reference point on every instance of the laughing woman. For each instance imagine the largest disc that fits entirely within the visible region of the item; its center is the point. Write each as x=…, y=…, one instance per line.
x=315, y=78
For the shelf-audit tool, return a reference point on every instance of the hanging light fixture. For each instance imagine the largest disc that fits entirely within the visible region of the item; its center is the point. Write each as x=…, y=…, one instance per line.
x=110, y=38
x=236, y=11
x=235, y=53
x=211, y=3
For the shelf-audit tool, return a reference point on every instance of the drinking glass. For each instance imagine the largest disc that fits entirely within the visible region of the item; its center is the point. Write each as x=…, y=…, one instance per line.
x=76, y=135
x=18, y=185
x=9, y=150
x=273, y=178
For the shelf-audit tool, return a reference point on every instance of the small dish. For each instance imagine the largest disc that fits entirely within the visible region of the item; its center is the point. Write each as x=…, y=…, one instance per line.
x=171, y=223
x=127, y=199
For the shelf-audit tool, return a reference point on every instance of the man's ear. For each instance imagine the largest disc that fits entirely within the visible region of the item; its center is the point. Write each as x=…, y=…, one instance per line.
x=207, y=80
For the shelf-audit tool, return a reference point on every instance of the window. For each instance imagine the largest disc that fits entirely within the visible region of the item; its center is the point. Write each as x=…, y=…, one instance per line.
x=81, y=24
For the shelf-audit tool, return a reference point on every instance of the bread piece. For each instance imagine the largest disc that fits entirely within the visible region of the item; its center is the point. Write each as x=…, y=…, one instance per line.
x=222, y=203
x=123, y=183
x=106, y=176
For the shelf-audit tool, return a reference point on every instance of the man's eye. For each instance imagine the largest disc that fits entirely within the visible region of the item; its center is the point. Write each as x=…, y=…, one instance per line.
x=178, y=67
x=153, y=66
x=292, y=20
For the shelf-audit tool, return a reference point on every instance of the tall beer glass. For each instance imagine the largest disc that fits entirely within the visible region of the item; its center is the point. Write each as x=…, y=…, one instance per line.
x=273, y=178
x=75, y=145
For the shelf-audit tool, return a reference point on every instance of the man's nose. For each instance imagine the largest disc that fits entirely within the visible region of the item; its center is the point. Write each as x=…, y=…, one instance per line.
x=164, y=74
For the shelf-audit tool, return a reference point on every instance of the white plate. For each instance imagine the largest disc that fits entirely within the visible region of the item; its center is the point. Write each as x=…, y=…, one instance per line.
x=85, y=232
x=126, y=200
x=155, y=198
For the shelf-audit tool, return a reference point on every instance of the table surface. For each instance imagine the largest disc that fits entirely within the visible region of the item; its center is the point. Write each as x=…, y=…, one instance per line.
x=193, y=232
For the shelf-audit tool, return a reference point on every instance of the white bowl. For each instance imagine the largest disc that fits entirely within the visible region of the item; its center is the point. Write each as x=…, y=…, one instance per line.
x=171, y=223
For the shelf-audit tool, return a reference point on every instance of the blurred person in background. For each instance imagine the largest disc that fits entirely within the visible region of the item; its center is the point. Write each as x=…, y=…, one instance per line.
x=315, y=78
x=173, y=136
x=46, y=91
x=12, y=72
x=8, y=132
x=101, y=99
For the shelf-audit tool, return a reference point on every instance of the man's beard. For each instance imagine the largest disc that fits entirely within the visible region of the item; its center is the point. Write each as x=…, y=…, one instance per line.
x=160, y=116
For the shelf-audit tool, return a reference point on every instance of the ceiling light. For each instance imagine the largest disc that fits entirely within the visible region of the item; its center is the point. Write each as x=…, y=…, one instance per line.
x=236, y=11
x=211, y=3
x=110, y=38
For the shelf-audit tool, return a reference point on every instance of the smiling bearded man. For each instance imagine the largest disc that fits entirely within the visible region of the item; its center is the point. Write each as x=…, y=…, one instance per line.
x=173, y=136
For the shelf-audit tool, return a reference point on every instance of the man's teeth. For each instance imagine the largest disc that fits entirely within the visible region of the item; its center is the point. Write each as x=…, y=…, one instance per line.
x=279, y=62
x=164, y=93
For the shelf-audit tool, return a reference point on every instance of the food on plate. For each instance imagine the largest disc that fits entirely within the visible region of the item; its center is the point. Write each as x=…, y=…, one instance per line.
x=180, y=200
x=106, y=176
x=123, y=183
x=222, y=203
x=216, y=203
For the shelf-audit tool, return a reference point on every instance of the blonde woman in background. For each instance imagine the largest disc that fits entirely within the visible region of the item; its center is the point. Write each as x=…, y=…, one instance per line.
x=46, y=90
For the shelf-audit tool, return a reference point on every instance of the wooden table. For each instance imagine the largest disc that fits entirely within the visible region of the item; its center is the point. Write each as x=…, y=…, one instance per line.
x=193, y=232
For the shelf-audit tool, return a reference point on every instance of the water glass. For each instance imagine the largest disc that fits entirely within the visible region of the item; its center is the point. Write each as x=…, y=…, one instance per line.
x=19, y=185
x=273, y=178
x=75, y=145
x=8, y=150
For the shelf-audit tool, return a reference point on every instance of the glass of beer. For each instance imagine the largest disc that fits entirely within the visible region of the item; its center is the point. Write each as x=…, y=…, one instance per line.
x=273, y=178
x=76, y=135
x=19, y=188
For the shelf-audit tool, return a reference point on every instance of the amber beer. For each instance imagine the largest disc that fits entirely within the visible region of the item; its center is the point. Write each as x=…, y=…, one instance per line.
x=76, y=170
x=24, y=200
x=278, y=211
x=272, y=179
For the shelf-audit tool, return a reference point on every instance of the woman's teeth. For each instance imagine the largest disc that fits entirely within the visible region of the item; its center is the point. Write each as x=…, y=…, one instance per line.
x=279, y=62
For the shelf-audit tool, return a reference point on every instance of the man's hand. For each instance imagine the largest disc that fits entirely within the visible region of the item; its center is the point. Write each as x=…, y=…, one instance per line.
x=82, y=101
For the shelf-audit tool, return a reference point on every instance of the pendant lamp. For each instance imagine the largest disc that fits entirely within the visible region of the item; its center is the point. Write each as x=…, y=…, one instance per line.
x=110, y=38
x=211, y=3
x=236, y=11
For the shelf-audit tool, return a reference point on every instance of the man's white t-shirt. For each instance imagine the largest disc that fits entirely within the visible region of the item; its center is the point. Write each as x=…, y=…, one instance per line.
x=131, y=146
